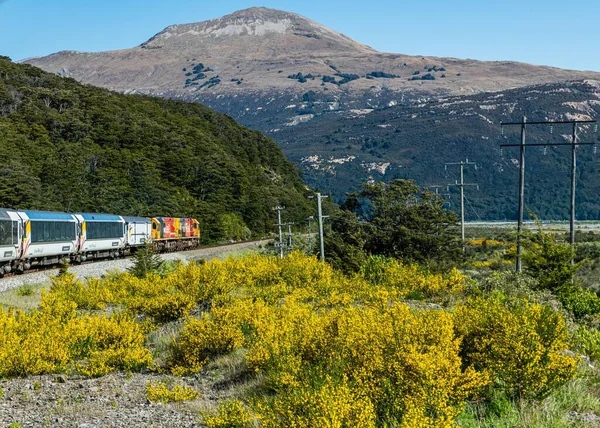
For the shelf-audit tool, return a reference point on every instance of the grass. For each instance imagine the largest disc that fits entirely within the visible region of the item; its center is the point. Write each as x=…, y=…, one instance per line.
x=243, y=252
x=26, y=297
x=159, y=341
x=575, y=404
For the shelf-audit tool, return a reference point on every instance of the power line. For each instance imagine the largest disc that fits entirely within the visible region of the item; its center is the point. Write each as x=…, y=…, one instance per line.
x=310, y=220
x=473, y=208
x=574, y=144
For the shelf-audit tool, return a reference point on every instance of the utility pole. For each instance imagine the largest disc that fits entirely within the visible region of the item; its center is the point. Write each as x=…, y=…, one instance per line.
x=462, y=185
x=320, y=218
x=573, y=171
x=279, y=225
x=289, y=242
x=574, y=144
x=309, y=220
x=444, y=196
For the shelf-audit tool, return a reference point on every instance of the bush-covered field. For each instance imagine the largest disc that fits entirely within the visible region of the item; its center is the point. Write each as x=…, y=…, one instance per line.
x=391, y=345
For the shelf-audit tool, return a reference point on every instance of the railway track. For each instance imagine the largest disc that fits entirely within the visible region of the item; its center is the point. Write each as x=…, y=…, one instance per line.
x=94, y=268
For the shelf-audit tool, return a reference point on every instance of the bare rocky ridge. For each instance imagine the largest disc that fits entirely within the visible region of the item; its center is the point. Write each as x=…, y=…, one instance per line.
x=261, y=47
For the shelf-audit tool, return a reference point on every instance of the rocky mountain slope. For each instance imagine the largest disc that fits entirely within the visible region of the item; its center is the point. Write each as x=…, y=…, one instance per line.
x=300, y=83
x=263, y=50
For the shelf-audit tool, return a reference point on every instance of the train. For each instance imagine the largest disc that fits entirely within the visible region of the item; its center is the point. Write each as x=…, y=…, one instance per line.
x=42, y=238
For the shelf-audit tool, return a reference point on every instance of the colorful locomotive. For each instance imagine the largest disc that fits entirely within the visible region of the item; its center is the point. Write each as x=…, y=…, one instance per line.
x=40, y=238
x=174, y=233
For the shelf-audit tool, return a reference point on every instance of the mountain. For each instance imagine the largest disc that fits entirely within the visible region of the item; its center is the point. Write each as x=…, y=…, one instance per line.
x=415, y=141
x=301, y=84
x=262, y=50
x=67, y=146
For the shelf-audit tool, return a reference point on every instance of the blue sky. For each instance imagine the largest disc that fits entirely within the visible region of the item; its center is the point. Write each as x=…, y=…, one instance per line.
x=552, y=32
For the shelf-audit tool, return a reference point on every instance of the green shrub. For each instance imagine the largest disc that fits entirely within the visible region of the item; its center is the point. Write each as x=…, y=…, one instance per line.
x=145, y=261
x=548, y=260
x=520, y=343
x=581, y=302
x=25, y=290
x=587, y=342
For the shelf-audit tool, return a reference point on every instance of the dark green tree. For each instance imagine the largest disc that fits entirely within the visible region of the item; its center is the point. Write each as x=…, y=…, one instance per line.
x=408, y=223
x=397, y=220
x=145, y=261
x=345, y=244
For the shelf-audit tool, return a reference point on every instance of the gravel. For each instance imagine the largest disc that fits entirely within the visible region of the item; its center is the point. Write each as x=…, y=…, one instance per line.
x=97, y=269
x=114, y=400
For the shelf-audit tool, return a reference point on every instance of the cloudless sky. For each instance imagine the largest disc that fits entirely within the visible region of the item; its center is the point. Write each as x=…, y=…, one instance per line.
x=553, y=32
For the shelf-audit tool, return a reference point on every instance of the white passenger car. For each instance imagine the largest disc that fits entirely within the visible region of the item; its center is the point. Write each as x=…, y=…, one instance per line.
x=101, y=235
x=11, y=228
x=48, y=238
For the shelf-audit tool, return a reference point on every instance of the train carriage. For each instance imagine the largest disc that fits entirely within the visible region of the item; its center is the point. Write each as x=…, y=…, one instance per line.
x=101, y=235
x=139, y=232
x=11, y=227
x=48, y=238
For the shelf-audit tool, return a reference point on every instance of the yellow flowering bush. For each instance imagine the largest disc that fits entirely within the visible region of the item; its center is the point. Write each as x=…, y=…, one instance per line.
x=202, y=282
x=328, y=403
x=216, y=333
x=229, y=414
x=521, y=343
x=55, y=338
x=162, y=308
x=32, y=344
x=160, y=392
x=404, y=361
x=102, y=344
x=485, y=242
x=410, y=282
x=328, y=349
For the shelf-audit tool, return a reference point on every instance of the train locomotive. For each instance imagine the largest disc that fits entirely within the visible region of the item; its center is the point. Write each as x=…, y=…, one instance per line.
x=41, y=238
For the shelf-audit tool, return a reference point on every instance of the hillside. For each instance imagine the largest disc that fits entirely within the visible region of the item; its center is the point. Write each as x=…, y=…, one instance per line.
x=339, y=150
x=66, y=146
x=300, y=82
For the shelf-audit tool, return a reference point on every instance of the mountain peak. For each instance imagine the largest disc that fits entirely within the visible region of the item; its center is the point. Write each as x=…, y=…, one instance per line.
x=254, y=22
x=261, y=13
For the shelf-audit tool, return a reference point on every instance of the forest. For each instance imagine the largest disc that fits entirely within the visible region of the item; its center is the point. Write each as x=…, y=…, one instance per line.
x=70, y=147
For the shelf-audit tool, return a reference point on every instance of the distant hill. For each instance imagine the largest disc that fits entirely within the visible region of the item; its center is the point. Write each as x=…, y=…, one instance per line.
x=66, y=146
x=300, y=83
x=339, y=150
